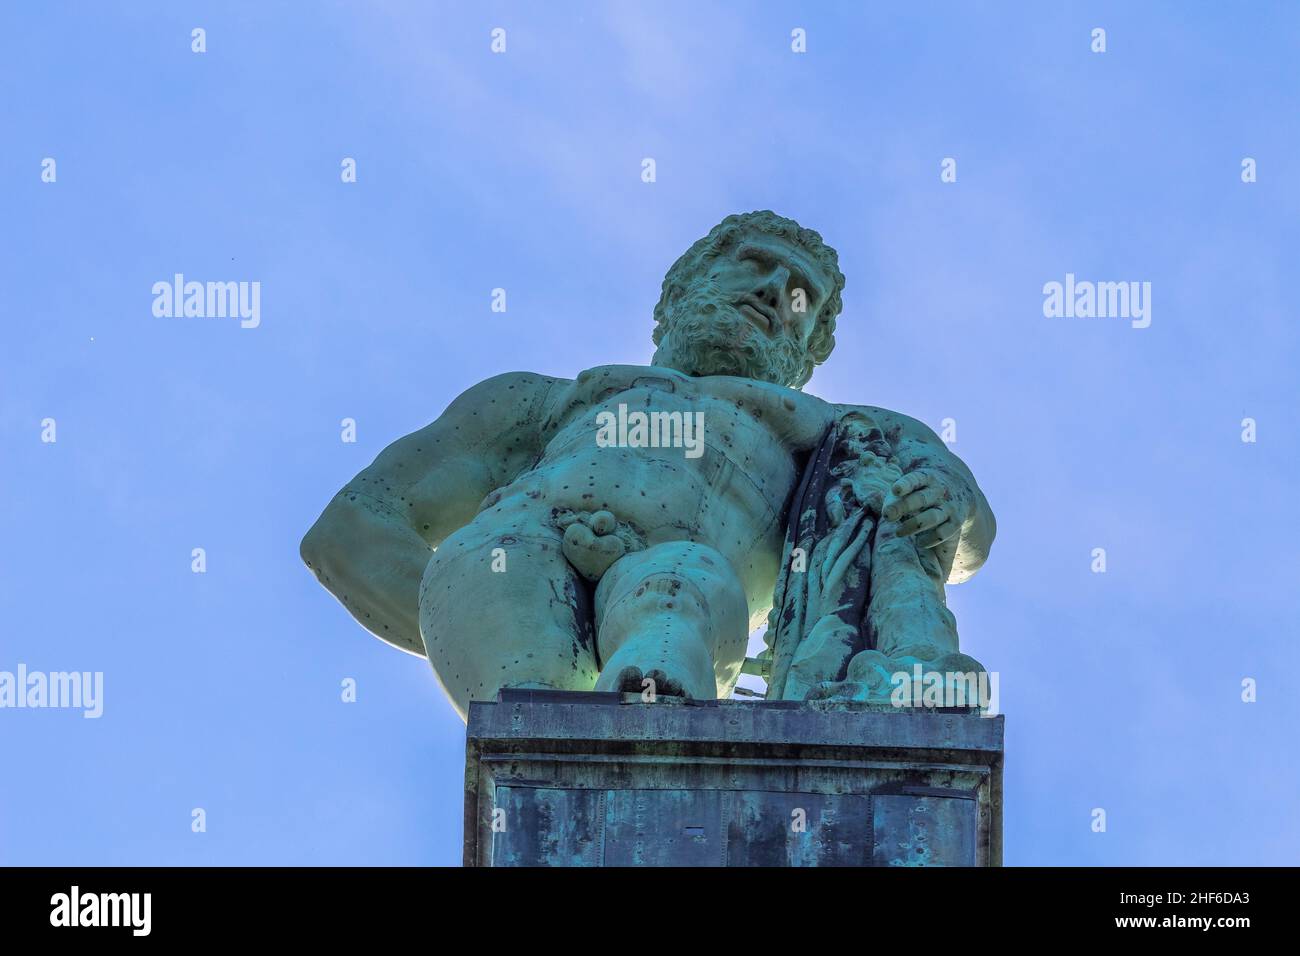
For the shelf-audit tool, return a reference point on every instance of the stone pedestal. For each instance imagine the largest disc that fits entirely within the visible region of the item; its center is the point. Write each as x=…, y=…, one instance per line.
x=563, y=779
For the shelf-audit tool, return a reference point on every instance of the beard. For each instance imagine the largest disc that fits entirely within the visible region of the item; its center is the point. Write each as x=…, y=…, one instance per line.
x=706, y=335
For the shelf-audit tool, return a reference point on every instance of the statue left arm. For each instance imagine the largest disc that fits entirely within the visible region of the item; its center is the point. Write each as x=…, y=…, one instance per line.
x=937, y=499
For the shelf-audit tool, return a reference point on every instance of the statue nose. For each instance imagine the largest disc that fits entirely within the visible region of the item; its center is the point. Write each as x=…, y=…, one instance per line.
x=773, y=286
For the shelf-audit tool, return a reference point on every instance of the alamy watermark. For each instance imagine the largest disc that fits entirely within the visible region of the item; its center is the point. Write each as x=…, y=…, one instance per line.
x=75, y=908
x=1083, y=299
x=922, y=688
x=638, y=429
x=208, y=300
x=73, y=690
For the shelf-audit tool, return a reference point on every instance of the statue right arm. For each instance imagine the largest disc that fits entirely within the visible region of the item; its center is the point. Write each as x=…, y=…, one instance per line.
x=370, y=546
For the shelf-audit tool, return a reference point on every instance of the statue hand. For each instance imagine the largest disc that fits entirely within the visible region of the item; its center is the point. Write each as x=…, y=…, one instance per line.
x=931, y=505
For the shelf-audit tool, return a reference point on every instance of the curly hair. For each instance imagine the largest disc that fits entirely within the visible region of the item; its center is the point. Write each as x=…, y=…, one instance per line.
x=724, y=236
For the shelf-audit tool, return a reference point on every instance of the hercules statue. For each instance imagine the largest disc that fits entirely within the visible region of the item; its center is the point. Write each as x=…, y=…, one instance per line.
x=512, y=548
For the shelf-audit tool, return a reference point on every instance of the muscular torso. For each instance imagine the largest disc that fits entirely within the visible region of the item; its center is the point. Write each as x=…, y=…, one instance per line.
x=730, y=497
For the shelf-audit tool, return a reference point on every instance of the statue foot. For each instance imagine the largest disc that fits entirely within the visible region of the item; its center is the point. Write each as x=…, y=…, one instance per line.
x=673, y=671
x=951, y=680
x=630, y=680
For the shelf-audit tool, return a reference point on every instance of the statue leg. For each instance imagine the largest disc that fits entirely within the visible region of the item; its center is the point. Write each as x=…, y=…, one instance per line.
x=908, y=615
x=500, y=607
x=910, y=627
x=675, y=614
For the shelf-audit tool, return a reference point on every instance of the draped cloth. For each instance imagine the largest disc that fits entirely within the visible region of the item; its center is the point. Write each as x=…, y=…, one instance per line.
x=848, y=583
x=814, y=555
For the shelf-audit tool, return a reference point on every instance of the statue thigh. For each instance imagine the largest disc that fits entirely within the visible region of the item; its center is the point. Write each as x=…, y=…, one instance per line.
x=501, y=607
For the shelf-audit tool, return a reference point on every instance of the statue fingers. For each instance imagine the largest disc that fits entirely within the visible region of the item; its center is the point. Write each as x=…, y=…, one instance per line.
x=924, y=521
x=939, y=534
x=909, y=483
x=914, y=503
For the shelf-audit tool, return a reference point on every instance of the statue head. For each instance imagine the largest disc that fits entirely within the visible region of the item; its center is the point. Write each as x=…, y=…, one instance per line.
x=757, y=297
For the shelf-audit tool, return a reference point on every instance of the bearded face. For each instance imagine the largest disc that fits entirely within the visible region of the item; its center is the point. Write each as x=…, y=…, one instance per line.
x=747, y=311
x=707, y=334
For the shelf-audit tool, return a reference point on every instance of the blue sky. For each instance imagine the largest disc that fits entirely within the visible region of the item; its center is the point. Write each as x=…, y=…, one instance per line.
x=1122, y=690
